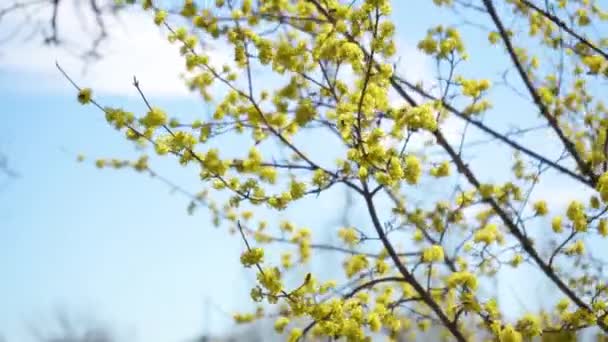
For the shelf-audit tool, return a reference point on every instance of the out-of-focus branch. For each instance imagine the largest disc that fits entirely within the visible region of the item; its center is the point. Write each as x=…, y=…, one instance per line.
x=45, y=17
x=5, y=169
x=67, y=329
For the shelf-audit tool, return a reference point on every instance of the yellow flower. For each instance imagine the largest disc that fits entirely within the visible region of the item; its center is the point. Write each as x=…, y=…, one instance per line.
x=118, y=117
x=576, y=214
x=562, y=305
x=433, y=254
x=413, y=169
x=529, y=326
x=154, y=118
x=349, y=236
x=287, y=226
x=473, y=88
x=243, y=318
x=577, y=248
x=595, y=63
x=428, y=45
x=355, y=264
x=488, y=234
x=286, y=260
x=294, y=335
x=602, y=186
x=556, y=224
x=508, y=334
x=424, y=325
x=85, y=95
x=381, y=266
x=252, y=257
x=373, y=320
x=328, y=285
x=297, y=189
x=442, y=2
x=362, y=172
x=268, y=174
x=421, y=117
x=487, y=190
x=160, y=16
x=540, y=208
x=280, y=324
x=141, y=164
x=443, y=170
x=602, y=227
x=462, y=278
x=493, y=37
x=270, y=278
x=517, y=259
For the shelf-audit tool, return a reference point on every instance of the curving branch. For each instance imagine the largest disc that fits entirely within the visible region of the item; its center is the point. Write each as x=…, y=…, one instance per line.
x=561, y=24
x=544, y=110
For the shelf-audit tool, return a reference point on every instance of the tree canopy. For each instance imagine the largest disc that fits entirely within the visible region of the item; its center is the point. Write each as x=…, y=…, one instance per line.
x=446, y=170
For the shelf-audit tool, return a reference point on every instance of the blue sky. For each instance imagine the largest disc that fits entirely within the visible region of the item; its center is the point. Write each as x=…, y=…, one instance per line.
x=117, y=245
x=113, y=243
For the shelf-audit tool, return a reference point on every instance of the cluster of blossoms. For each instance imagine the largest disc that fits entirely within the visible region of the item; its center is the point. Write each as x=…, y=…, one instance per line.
x=334, y=63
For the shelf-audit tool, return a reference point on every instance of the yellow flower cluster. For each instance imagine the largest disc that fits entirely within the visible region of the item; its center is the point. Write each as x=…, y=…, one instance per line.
x=462, y=278
x=85, y=95
x=270, y=279
x=509, y=334
x=355, y=264
x=119, y=118
x=473, y=88
x=488, y=234
x=602, y=227
x=441, y=42
x=556, y=224
x=577, y=248
x=442, y=170
x=419, y=117
x=529, y=326
x=252, y=257
x=334, y=68
x=576, y=214
x=302, y=239
x=413, y=169
x=433, y=254
x=280, y=324
x=244, y=318
x=349, y=235
x=540, y=208
x=602, y=186
x=155, y=117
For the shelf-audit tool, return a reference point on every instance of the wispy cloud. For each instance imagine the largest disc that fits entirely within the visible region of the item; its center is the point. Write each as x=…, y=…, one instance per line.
x=135, y=47
x=414, y=66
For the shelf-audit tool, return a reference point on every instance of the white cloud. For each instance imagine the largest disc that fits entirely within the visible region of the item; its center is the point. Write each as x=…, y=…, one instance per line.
x=135, y=47
x=413, y=66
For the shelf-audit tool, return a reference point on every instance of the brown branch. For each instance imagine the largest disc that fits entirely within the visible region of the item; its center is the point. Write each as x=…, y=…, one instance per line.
x=544, y=110
x=514, y=230
x=559, y=248
x=353, y=292
x=341, y=249
x=484, y=128
x=426, y=297
x=557, y=21
x=4, y=167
